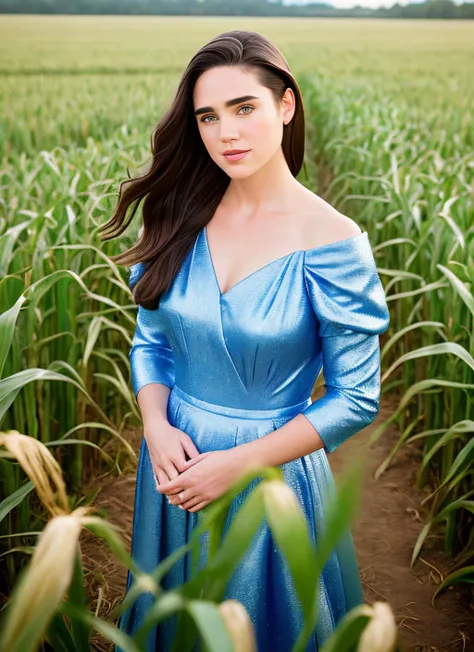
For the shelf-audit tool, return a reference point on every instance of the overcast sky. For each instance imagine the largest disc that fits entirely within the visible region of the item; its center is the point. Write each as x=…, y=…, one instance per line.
x=346, y=4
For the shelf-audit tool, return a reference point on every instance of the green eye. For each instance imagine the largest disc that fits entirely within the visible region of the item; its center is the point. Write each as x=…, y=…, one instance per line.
x=246, y=106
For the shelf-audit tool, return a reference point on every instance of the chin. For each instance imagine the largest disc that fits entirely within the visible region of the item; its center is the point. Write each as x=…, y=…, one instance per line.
x=240, y=174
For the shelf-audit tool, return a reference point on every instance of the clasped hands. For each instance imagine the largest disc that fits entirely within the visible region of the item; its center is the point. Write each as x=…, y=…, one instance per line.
x=203, y=479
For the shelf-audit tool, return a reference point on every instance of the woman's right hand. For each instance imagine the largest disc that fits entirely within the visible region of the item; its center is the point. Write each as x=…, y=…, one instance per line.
x=168, y=446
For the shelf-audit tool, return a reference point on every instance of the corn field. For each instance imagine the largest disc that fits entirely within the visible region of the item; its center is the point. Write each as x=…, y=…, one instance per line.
x=414, y=181
x=54, y=584
x=390, y=133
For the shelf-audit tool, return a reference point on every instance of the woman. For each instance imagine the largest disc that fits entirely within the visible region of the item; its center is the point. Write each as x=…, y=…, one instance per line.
x=247, y=283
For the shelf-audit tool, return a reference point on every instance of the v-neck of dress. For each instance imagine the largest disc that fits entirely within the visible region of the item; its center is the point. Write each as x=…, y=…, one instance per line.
x=272, y=262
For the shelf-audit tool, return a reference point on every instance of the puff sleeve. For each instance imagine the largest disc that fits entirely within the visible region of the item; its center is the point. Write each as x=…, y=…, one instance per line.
x=349, y=301
x=151, y=357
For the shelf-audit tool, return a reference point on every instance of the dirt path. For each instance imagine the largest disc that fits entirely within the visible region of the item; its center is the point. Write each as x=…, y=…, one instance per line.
x=385, y=531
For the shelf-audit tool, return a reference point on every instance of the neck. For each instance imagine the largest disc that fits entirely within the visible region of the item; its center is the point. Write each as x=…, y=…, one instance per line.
x=269, y=190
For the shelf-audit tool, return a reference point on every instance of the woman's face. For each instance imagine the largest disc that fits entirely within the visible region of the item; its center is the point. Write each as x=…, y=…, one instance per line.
x=251, y=122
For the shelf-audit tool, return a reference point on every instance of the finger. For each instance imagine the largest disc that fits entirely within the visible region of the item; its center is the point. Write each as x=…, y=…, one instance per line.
x=197, y=508
x=192, y=461
x=171, y=470
x=174, y=498
x=191, y=502
x=179, y=483
x=172, y=487
x=199, y=458
x=161, y=476
x=189, y=447
x=180, y=464
x=180, y=498
x=183, y=496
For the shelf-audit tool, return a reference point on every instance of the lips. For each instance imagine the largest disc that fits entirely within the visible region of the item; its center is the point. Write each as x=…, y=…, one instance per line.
x=236, y=154
x=235, y=151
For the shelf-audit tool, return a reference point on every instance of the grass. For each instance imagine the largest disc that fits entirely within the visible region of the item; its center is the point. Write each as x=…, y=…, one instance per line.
x=390, y=130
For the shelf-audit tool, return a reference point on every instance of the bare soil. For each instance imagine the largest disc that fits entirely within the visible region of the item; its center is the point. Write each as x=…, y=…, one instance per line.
x=385, y=531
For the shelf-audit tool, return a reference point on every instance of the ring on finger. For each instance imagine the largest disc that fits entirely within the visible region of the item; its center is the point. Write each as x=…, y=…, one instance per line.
x=181, y=495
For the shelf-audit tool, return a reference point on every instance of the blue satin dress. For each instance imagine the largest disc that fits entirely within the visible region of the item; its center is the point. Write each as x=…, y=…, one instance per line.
x=240, y=364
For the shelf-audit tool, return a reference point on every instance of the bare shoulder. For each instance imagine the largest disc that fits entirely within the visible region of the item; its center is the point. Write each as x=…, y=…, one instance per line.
x=325, y=225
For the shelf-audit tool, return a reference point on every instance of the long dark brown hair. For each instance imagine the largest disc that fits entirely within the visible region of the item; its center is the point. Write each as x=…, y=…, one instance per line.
x=183, y=187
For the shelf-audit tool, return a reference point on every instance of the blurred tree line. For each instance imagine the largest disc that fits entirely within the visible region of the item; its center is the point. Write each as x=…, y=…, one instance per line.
x=430, y=9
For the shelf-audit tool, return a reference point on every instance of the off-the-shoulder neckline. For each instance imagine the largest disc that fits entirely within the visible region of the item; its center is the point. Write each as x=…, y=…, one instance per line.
x=306, y=252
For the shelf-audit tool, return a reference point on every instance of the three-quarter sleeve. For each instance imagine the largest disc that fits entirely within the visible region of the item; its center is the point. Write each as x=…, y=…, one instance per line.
x=151, y=357
x=350, y=304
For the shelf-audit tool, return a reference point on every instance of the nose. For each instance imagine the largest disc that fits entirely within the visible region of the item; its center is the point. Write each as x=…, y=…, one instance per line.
x=228, y=130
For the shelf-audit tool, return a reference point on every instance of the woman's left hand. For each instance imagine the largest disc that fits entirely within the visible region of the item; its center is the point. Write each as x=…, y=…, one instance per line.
x=205, y=478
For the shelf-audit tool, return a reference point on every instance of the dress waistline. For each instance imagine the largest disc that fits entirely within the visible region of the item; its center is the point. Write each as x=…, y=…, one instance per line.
x=243, y=413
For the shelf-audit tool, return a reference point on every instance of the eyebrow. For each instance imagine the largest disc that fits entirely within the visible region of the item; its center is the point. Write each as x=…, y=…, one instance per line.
x=236, y=100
